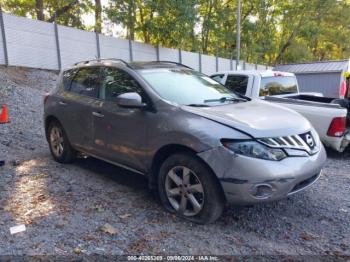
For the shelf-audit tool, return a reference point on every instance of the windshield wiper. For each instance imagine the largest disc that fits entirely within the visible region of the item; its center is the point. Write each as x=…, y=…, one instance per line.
x=225, y=98
x=198, y=105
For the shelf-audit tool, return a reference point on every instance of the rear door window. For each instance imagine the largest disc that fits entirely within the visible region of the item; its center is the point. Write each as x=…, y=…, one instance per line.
x=237, y=83
x=116, y=82
x=278, y=85
x=86, y=82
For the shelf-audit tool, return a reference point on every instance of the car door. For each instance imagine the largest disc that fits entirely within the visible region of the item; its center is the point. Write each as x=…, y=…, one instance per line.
x=120, y=134
x=81, y=100
x=62, y=99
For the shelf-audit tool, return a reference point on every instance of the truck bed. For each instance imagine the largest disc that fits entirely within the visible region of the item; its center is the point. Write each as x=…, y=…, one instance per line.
x=305, y=100
x=312, y=98
x=314, y=101
x=327, y=100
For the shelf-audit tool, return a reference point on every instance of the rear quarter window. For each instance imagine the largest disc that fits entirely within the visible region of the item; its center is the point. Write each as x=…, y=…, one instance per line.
x=67, y=78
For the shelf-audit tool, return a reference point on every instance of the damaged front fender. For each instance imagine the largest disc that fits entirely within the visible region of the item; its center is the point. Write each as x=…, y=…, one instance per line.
x=220, y=160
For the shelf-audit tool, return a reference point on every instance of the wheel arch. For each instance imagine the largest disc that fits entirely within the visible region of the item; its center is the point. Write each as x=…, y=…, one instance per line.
x=48, y=120
x=166, y=151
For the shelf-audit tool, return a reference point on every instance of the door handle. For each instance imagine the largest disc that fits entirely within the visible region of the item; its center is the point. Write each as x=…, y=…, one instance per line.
x=62, y=103
x=97, y=114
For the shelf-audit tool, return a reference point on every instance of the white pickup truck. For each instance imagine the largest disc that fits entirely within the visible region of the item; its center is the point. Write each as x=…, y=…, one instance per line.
x=327, y=117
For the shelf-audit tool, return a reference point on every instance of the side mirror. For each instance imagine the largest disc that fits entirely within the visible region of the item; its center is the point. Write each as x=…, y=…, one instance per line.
x=130, y=100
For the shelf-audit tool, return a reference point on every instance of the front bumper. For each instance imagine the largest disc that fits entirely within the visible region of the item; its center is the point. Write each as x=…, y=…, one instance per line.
x=247, y=180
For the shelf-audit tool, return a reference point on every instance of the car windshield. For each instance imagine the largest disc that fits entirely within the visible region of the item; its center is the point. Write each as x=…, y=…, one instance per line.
x=278, y=85
x=188, y=87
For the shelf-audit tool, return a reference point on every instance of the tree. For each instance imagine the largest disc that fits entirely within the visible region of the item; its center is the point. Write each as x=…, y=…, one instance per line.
x=321, y=31
x=98, y=16
x=123, y=12
x=65, y=12
x=273, y=31
x=39, y=6
x=161, y=22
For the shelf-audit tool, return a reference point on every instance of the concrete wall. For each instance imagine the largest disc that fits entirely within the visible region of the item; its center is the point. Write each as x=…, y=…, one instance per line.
x=32, y=43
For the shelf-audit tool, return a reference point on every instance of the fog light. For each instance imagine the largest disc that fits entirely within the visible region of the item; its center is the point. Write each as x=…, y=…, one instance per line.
x=262, y=191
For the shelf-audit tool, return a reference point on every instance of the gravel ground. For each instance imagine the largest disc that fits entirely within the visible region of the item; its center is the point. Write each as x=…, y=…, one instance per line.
x=91, y=207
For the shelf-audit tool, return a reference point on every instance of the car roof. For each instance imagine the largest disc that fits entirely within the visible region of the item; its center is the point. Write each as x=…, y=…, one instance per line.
x=156, y=64
x=137, y=65
x=262, y=73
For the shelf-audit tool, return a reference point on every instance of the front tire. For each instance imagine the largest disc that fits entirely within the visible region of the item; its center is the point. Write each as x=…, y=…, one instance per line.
x=188, y=188
x=60, y=147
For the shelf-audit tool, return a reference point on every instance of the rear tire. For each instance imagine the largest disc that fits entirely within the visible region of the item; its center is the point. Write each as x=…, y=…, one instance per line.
x=188, y=188
x=60, y=147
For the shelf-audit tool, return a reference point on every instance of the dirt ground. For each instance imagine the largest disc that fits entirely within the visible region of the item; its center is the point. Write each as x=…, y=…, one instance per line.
x=91, y=207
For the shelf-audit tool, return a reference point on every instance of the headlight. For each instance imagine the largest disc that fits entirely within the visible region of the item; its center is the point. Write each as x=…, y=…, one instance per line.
x=256, y=150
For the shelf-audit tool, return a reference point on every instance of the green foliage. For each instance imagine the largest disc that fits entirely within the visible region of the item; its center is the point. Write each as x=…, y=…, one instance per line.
x=272, y=31
x=69, y=11
x=162, y=22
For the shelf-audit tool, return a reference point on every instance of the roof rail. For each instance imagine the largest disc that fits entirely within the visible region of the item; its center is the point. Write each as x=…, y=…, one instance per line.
x=102, y=59
x=176, y=63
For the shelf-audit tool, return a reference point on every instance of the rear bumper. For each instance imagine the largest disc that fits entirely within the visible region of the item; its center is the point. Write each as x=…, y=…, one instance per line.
x=337, y=143
x=248, y=180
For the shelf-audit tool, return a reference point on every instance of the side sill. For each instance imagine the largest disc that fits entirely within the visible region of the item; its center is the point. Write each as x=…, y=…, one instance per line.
x=114, y=163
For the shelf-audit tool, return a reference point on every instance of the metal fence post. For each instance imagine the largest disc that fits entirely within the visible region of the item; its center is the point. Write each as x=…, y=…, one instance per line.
x=231, y=64
x=256, y=65
x=59, y=63
x=157, y=52
x=180, y=56
x=98, y=45
x=216, y=62
x=200, y=61
x=130, y=50
x=244, y=65
x=3, y=34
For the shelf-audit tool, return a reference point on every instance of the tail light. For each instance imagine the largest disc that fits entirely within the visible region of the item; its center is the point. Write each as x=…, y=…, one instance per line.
x=337, y=127
x=342, y=92
x=46, y=96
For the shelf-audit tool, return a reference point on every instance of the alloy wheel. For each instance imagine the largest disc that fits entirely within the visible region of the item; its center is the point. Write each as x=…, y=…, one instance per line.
x=57, y=141
x=184, y=191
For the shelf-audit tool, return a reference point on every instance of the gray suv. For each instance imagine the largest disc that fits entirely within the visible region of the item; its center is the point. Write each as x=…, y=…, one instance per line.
x=200, y=144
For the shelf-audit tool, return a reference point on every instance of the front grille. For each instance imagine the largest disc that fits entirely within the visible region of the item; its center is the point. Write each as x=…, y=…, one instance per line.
x=307, y=141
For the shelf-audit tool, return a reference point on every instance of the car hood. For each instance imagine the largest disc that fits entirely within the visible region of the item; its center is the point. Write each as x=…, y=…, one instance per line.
x=255, y=117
